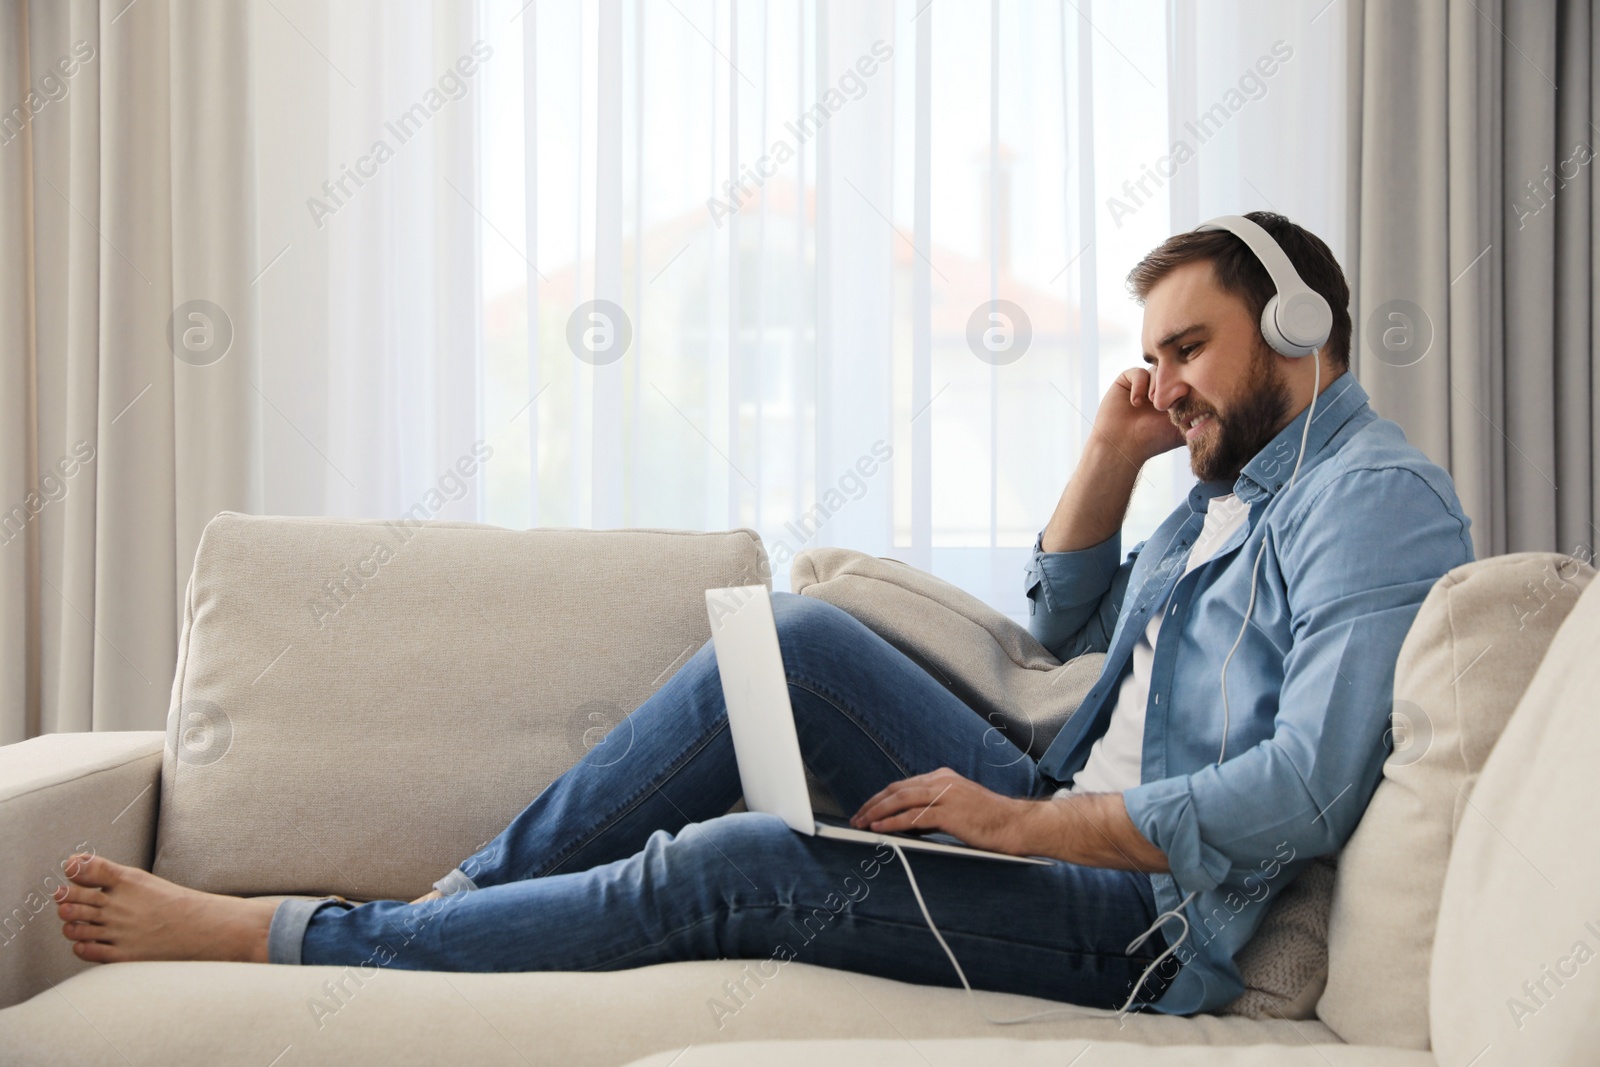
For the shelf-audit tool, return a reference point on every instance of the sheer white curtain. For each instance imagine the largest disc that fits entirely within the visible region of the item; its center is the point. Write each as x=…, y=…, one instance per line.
x=367, y=132
x=848, y=273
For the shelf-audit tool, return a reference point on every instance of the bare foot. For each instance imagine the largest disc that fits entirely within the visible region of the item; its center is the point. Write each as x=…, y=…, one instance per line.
x=431, y=895
x=113, y=913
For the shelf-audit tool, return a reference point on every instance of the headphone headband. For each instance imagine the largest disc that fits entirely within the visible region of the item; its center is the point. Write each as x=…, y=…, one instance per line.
x=1297, y=320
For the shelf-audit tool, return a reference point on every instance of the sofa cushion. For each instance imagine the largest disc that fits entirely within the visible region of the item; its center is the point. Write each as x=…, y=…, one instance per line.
x=999, y=670
x=1285, y=965
x=1468, y=657
x=1516, y=970
x=993, y=665
x=358, y=706
x=202, y=1014
x=1019, y=1052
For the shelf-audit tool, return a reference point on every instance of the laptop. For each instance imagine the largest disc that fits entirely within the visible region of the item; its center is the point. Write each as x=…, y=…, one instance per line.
x=756, y=690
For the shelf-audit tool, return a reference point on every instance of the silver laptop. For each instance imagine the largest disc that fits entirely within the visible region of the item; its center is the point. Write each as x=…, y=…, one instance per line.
x=762, y=723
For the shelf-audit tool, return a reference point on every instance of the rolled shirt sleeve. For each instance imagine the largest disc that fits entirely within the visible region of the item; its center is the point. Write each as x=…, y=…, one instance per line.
x=1074, y=597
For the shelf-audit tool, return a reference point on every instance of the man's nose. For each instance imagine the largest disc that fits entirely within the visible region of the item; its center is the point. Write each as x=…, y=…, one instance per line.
x=1166, y=388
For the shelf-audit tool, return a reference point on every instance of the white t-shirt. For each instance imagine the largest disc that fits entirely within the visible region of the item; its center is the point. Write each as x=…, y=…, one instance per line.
x=1116, y=758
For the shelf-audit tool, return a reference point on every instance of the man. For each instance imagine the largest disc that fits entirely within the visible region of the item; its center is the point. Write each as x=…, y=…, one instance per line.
x=1174, y=791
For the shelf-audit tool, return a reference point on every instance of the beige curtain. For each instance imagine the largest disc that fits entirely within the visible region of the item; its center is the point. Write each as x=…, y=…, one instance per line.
x=125, y=213
x=1473, y=182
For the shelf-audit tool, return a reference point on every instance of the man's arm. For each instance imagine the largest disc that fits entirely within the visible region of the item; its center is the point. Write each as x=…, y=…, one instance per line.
x=1076, y=575
x=1095, y=499
x=1128, y=431
x=1092, y=829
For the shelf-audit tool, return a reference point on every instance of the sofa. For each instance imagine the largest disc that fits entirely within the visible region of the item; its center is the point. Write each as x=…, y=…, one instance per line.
x=357, y=706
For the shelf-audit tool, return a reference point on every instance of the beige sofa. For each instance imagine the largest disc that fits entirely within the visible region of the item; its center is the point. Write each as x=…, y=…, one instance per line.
x=358, y=706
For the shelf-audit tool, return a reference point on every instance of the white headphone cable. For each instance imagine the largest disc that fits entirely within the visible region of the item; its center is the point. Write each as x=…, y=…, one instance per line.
x=1255, y=569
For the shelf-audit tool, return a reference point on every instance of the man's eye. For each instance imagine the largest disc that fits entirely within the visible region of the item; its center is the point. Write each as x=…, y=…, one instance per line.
x=1184, y=351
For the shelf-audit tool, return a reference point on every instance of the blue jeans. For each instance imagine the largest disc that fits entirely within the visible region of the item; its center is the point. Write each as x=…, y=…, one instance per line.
x=630, y=859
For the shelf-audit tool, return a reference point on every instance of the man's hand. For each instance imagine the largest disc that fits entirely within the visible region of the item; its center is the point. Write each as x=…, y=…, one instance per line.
x=1128, y=432
x=1092, y=829
x=1128, y=419
x=946, y=801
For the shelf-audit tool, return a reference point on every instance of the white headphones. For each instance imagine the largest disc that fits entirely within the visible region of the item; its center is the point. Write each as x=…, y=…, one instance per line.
x=1297, y=320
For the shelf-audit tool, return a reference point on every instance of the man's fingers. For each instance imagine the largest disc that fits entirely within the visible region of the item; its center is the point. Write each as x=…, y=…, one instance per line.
x=893, y=799
x=893, y=787
x=1138, y=385
x=887, y=802
x=907, y=820
x=875, y=800
x=902, y=799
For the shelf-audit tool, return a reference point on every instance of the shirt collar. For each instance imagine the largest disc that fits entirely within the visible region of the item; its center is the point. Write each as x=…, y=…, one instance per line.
x=1268, y=471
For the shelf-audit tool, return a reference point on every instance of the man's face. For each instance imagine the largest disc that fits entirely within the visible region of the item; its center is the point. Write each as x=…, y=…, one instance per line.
x=1211, y=372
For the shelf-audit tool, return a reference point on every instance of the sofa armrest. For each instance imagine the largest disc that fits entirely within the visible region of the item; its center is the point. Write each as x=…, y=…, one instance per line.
x=61, y=794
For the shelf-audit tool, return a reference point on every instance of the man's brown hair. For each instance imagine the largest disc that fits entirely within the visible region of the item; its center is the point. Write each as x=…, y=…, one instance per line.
x=1239, y=272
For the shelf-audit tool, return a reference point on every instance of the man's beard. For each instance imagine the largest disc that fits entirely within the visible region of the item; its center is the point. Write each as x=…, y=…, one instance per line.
x=1221, y=452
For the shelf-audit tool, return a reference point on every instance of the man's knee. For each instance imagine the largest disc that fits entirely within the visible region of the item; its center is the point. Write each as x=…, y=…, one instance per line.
x=727, y=845
x=805, y=621
x=746, y=832
x=721, y=865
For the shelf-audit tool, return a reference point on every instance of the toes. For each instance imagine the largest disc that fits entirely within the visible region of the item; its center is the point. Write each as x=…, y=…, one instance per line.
x=89, y=870
x=78, y=913
x=77, y=894
x=82, y=931
x=97, y=952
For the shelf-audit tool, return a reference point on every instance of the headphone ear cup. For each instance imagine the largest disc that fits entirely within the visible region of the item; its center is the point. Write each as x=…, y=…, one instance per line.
x=1306, y=319
x=1309, y=319
x=1270, y=333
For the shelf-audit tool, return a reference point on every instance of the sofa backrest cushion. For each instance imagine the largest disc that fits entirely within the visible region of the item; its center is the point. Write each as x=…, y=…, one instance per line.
x=993, y=665
x=1469, y=655
x=1516, y=970
x=358, y=706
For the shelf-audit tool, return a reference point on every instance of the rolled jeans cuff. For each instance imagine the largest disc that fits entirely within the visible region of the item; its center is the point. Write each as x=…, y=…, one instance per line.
x=455, y=882
x=288, y=928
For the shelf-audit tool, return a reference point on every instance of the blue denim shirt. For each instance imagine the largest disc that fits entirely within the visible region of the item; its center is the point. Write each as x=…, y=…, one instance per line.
x=1351, y=550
